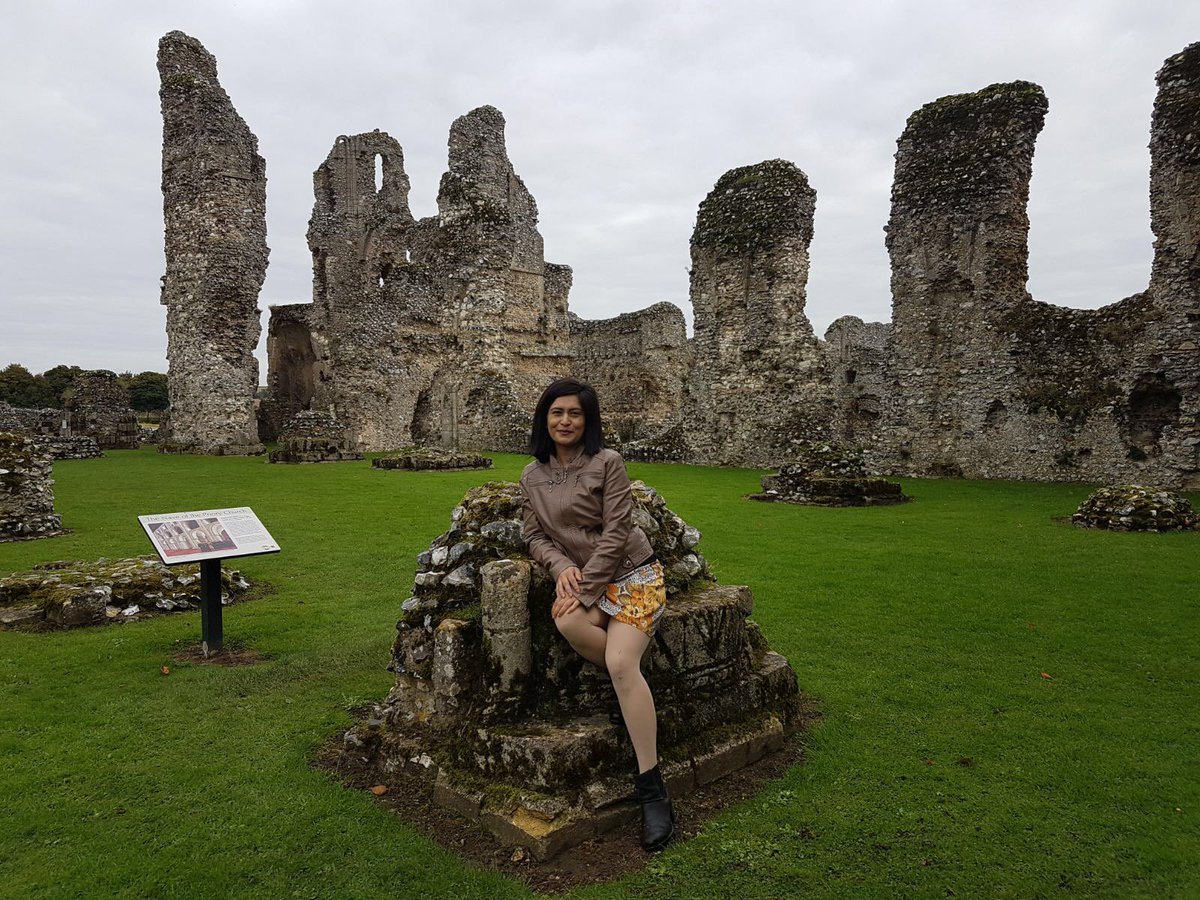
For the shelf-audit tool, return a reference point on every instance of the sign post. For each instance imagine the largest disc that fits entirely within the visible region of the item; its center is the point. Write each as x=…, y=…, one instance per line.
x=207, y=537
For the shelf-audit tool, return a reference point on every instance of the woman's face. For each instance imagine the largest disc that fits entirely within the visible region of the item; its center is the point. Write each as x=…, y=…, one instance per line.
x=565, y=421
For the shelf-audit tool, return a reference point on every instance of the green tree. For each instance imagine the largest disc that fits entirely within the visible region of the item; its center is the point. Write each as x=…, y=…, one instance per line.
x=58, y=380
x=148, y=392
x=20, y=387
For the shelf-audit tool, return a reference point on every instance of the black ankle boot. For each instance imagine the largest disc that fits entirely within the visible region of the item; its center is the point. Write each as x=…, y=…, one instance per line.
x=658, y=818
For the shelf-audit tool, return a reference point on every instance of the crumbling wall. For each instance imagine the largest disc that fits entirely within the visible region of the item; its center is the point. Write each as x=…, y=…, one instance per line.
x=295, y=351
x=442, y=331
x=758, y=382
x=26, y=494
x=858, y=357
x=214, y=207
x=638, y=363
x=991, y=383
x=97, y=406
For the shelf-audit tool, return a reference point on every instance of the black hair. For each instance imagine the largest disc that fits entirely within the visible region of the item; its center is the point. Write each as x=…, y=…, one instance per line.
x=541, y=445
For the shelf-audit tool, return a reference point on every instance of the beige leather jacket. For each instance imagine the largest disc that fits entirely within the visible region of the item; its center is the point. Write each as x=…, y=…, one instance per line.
x=586, y=521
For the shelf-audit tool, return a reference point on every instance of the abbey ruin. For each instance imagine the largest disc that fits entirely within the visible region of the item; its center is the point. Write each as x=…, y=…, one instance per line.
x=443, y=331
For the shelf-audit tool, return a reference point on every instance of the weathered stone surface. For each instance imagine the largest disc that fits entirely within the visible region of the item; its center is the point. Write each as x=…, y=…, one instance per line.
x=1134, y=507
x=441, y=331
x=69, y=593
x=828, y=475
x=97, y=406
x=757, y=382
x=214, y=207
x=26, y=494
x=311, y=436
x=638, y=363
x=426, y=458
x=491, y=701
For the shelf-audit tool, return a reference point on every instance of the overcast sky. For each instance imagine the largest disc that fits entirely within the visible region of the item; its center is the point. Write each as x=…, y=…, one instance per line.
x=621, y=116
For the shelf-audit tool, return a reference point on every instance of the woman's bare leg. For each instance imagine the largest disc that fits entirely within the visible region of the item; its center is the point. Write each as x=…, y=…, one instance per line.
x=623, y=656
x=584, y=629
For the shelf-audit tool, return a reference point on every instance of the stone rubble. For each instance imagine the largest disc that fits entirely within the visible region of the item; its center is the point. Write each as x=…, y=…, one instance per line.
x=431, y=458
x=1135, y=507
x=828, y=475
x=73, y=593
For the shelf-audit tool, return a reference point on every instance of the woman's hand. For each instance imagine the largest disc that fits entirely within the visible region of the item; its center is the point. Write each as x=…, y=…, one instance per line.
x=567, y=592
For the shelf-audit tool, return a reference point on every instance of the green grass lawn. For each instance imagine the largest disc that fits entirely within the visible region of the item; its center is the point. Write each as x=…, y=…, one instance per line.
x=945, y=764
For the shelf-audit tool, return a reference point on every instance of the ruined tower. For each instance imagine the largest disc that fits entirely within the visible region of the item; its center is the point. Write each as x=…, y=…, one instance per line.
x=442, y=331
x=757, y=381
x=214, y=208
x=990, y=382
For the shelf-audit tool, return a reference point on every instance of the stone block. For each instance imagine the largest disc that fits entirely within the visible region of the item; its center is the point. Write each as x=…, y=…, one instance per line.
x=463, y=801
x=511, y=652
x=726, y=757
x=543, y=839
x=504, y=595
x=451, y=663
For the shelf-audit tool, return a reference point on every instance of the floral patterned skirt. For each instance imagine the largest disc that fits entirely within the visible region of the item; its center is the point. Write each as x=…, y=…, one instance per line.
x=639, y=599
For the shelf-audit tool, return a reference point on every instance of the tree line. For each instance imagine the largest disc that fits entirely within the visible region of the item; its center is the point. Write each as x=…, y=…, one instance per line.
x=20, y=387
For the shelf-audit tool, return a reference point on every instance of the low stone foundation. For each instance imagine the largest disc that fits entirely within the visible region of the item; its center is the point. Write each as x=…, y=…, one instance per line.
x=69, y=447
x=1134, y=507
x=69, y=594
x=828, y=475
x=311, y=436
x=26, y=495
x=528, y=750
x=427, y=458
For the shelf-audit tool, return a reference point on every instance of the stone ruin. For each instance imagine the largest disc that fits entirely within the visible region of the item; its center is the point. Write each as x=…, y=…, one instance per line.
x=422, y=459
x=828, y=475
x=97, y=406
x=494, y=708
x=73, y=593
x=48, y=429
x=1134, y=507
x=214, y=207
x=443, y=331
x=26, y=495
x=311, y=436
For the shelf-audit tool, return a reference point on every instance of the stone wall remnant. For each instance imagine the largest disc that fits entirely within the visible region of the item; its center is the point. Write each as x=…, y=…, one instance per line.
x=827, y=474
x=313, y=436
x=638, y=363
x=989, y=382
x=26, y=494
x=423, y=459
x=97, y=406
x=438, y=332
x=214, y=207
x=71, y=593
x=758, y=381
x=47, y=427
x=493, y=706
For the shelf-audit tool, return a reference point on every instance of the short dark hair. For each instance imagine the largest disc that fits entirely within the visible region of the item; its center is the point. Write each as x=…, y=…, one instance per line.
x=540, y=443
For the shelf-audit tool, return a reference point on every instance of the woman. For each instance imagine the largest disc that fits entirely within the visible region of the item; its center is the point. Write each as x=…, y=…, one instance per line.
x=609, y=590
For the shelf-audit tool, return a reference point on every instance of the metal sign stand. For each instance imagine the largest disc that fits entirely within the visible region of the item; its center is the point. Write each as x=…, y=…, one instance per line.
x=211, y=630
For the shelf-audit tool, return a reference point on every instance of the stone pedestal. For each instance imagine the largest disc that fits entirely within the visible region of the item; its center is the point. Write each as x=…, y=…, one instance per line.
x=314, y=437
x=828, y=475
x=511, y=725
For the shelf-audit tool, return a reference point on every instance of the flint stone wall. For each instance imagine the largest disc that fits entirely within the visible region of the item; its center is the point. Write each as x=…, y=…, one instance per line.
x=440, y=332
x=97, y=406
x=214, y=207
x=312, y=436
x=638, y=363
x=26, y=494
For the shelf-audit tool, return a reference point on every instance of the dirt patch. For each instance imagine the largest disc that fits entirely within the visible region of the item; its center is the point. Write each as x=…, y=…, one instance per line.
x=232, y=653
x=615, y=855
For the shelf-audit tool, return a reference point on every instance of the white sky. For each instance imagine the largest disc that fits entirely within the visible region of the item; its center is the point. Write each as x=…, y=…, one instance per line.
x=621, y=116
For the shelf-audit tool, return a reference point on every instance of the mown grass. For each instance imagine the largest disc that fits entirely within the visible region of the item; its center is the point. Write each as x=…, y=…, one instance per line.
x=945, y=764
